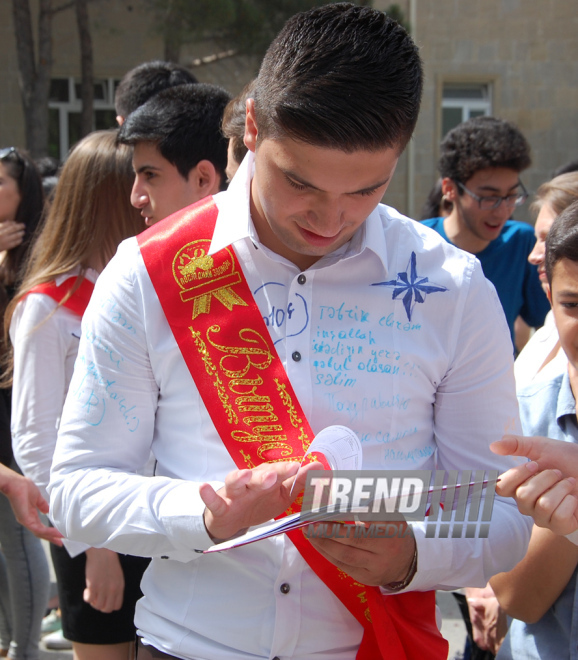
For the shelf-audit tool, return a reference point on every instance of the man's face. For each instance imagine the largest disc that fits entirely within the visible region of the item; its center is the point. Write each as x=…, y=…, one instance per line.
x=564, y=300
x=489, y=182
x=159, y=189
x=308, y=201
x=537, y=257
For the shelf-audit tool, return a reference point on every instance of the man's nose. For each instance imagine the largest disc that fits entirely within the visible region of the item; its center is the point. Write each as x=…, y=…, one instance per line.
x=538, y=254
x=138, y=197
x=327, y=217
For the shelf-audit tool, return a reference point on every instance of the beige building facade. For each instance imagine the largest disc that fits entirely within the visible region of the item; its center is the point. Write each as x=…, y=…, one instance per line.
x=515, y=59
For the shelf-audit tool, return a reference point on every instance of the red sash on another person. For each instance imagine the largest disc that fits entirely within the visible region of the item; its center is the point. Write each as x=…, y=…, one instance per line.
x=245, y=389
x=76, y=302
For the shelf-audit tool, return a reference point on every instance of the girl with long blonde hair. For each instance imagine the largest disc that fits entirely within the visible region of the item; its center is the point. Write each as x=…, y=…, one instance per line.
x=89, y=216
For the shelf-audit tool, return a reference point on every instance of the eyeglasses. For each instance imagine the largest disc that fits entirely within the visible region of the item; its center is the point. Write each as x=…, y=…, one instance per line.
x=490, y=202
x=8, y=151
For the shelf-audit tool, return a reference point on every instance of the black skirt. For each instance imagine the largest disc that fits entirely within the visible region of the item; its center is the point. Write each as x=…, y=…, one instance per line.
x=80, y=621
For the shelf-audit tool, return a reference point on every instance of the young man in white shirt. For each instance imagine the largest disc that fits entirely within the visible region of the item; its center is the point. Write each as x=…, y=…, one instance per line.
x=378, y=324
x=180, y=154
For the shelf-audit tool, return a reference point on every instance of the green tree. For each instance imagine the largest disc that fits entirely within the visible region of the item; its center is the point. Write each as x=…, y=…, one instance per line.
x=237, y=27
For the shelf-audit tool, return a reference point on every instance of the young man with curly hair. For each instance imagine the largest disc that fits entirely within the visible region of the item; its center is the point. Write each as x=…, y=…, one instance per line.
x=480, y=165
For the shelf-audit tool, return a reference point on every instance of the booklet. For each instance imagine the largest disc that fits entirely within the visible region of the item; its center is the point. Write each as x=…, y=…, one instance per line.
x=342, y=449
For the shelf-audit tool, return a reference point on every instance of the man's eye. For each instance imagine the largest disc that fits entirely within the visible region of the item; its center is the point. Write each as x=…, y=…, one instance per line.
x=569, y=305
x=368, y=193
x=294, y=184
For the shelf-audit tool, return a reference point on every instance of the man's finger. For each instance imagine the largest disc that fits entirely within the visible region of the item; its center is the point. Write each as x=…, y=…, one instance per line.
x=512, y=479
x=516, y=445
x=212, y=500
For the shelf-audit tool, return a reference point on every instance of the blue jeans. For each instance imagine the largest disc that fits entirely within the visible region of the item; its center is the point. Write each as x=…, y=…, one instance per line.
x=25, y=579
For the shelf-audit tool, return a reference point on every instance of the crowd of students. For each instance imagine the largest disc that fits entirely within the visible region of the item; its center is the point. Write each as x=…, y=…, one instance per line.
x=278, y=189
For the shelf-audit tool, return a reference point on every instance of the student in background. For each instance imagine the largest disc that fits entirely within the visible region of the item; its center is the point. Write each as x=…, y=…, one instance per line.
x=24, y=577
x=480, y=165
x=144, y=81
x=89, y=216
x=179, y=152
x=542, y=356
x=541, y=591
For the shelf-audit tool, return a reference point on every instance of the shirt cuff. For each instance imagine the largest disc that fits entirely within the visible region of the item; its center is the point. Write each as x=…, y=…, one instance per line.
x=434, y=562
x=181, y=514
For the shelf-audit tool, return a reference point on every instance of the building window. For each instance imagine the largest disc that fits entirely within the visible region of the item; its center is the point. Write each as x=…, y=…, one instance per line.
x=64, y=110
x=461, y=102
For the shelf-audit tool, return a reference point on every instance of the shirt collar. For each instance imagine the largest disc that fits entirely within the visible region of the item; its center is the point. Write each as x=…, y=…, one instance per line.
x=234, y=222
x=566, y=404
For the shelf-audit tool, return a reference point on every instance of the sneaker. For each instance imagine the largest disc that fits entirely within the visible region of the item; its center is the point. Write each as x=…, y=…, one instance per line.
x=56, y=641
x=50, y=623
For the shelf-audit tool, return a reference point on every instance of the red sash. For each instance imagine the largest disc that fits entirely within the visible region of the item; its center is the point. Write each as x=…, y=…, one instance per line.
x=76, y=302
x=246, y=391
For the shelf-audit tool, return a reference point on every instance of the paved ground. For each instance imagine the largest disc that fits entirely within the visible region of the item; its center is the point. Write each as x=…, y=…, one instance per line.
x=453, y=628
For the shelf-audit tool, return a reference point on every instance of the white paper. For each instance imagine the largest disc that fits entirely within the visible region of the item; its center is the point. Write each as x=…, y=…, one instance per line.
x=340, y=446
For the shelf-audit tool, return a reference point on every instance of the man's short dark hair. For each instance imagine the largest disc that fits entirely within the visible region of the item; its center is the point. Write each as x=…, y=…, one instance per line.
x=146, y=80
x=562, y=239
x=340, y=76
x=480, y=143
x=234, y=121
x=184, y=123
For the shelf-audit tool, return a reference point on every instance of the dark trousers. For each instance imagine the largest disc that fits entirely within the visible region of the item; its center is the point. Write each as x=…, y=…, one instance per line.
x=150, y=653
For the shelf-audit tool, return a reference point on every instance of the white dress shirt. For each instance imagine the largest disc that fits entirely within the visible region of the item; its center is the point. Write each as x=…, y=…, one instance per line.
x=425, y=387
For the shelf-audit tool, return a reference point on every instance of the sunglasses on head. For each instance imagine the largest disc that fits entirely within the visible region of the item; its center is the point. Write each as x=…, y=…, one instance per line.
x=8, y=151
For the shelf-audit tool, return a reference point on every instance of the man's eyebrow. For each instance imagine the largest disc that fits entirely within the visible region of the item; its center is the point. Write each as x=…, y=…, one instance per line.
x=303, y=182
x=572, y=293
x=497, y=190
x=142, y=168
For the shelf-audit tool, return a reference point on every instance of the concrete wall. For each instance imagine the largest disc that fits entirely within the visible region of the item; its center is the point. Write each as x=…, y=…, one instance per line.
x=528, y=52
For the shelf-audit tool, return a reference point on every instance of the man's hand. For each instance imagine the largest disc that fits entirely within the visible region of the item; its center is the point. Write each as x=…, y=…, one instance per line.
x=26, y=501
x=104, y=580
x=252, y=497
x=371, y=561
x=546, y=487
x=489, y=622
x=11, y=234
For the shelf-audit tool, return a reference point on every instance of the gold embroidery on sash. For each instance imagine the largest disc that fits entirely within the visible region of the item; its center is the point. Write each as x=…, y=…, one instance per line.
x=286, y=398
x=212, y=371
x=201, y=276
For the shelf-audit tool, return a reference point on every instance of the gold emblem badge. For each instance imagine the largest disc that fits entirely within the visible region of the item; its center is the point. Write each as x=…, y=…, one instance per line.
x=200, y=276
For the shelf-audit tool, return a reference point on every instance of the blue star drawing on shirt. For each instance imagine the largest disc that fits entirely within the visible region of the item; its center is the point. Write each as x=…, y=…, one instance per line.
x=412, y=286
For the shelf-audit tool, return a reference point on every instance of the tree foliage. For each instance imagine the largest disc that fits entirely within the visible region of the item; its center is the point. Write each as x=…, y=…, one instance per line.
x=244, y=26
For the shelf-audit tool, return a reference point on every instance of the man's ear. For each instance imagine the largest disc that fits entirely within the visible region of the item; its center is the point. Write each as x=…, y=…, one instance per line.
x=205, y=178
x=449, y=189
x=251, y=131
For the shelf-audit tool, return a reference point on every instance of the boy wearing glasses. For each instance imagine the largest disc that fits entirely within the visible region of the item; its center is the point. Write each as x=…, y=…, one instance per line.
x=480, y=163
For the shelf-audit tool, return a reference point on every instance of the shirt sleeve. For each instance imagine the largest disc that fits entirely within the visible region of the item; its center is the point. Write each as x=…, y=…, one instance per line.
x=107, y=429
x=475, y=404
x=42, y=340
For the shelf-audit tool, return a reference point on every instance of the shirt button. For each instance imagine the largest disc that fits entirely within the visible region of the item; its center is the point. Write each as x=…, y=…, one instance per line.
x=301, y=279
x=276, y=658
x=296, y=355
x=164, y=557
x=284, y=588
